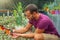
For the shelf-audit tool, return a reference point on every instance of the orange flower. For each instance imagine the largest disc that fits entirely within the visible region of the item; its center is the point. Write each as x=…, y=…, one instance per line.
x=7, y=31
x=2, y=27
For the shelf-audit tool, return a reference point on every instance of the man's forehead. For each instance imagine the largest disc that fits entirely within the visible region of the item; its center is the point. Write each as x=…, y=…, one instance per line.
x=27, y=12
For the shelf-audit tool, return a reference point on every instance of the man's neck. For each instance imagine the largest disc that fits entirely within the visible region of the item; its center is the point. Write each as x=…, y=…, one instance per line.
x=37, y=16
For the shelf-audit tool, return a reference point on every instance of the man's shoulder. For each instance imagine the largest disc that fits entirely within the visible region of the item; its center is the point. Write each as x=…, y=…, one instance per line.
x=44, y=17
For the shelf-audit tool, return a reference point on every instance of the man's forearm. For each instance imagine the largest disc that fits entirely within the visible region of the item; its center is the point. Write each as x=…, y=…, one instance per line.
x=26, y=28
x=30, y=35
x=20, y=30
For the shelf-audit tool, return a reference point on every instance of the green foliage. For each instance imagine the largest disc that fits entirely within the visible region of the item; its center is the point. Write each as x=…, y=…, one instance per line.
x=19, y=15
x=57, y=7
x=14, y=13
x=52, y=6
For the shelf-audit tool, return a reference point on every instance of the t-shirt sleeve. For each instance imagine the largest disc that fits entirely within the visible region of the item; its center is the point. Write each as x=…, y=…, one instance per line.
x=43, y=24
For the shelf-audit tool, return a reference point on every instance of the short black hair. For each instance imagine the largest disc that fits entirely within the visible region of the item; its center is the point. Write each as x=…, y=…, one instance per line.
x=32, y=8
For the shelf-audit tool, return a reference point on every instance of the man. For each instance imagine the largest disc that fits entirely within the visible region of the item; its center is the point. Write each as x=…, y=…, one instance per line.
x=44, y=28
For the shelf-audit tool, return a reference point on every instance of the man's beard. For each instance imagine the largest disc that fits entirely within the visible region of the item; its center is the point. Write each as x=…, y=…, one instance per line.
x=32, y=18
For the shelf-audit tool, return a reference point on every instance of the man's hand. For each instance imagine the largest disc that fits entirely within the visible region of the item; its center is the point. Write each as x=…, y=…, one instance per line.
x=15, y=35
x=13, y=30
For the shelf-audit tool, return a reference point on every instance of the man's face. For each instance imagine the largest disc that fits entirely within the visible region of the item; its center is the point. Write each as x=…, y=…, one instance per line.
x=29, y=15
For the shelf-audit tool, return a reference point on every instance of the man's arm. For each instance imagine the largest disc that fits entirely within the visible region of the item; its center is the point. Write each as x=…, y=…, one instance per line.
x=31, y=35
x=42, y=25
x=22, y=30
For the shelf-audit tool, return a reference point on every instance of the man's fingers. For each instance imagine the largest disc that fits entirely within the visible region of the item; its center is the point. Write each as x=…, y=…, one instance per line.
x=17, y=34
x=13, y=30
x=14, y=36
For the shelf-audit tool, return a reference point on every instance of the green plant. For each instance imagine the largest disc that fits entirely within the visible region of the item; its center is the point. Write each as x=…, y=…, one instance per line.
x=19, y=15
